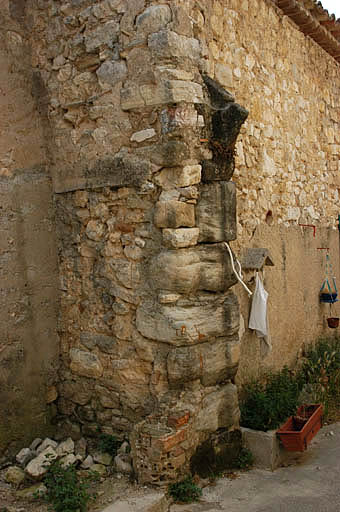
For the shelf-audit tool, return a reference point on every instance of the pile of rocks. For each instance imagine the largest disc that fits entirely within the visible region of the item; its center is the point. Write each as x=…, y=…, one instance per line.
x=33, y=462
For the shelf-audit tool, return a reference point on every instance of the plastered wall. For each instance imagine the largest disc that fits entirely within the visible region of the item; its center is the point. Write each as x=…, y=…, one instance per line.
x=28, y=273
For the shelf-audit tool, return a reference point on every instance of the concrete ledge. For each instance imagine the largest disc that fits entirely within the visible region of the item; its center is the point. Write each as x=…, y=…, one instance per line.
x=267, y=449
x=153, y=502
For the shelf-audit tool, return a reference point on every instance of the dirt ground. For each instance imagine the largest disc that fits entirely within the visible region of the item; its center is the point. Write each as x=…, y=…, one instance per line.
x=108, y=490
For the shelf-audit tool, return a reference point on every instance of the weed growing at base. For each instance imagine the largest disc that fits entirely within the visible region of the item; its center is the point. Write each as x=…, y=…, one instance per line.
x=185, y=491
x=65, y=492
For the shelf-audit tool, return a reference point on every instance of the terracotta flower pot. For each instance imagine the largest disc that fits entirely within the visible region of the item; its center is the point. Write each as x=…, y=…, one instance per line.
x=300, y=429
x=333, y=322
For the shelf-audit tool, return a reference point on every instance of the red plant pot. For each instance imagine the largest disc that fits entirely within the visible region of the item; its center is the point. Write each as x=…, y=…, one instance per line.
x=300, y=429
x=333, y=322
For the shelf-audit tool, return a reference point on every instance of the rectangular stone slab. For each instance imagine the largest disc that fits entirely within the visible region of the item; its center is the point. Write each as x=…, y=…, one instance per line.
x=216, y=212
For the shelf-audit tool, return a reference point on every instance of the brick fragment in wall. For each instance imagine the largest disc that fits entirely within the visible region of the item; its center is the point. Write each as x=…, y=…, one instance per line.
x=190, y=321
x=219, y=410
x=216, y=212
x=212, y=362
x=174, y=214
x=202, y=268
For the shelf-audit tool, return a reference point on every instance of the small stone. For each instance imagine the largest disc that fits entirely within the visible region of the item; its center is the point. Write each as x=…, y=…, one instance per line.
x=86, y=364
x=111, y=72
x=95, y=230
x=31, y=492
x=174, y=214
x=178, y=238
x=124, y=448
x=69, y=460
x=143, y=135
x=52, y=394
x=65, y=447
x=88, y=462
x=47, y=442
x=122, y=463
x=34, y=445
x=14, y=475
x=39, y=465
x=168, y=298
x=24, y=456
x=80, y=447
x=103, y=458
x=99, y=468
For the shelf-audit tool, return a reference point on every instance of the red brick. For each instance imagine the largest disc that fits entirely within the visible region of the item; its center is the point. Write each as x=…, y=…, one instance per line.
x=166, y=443
x=179, y=419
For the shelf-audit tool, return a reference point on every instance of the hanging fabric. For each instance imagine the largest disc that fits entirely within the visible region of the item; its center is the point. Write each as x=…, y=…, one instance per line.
x=258, y=319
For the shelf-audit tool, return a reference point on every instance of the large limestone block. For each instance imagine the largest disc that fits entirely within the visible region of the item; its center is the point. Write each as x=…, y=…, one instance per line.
x=190, y=321
x=85, y=363
x=212, y=362
x=153, y=19
x=219, y=410
x=206, y=268
x=216, y=212
x=174, y=214
x=166, y=44
x=185, y=176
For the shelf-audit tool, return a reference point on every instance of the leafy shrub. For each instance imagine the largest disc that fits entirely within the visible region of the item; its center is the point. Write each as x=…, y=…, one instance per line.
x=267, y=404
x=108, y=444
x=65, y=492
x=245, y=459
x=185, y=491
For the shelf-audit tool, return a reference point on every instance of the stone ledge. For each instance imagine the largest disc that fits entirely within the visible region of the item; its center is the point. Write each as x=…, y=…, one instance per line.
x=267, y=449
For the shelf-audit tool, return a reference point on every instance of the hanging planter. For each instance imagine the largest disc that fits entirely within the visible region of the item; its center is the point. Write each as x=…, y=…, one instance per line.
x=299, y=430
x=328, y=298
x=329, y=291
x=333, y=322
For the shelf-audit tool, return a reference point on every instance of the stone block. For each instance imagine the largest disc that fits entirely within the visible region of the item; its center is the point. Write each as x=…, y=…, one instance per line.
x=111, y=72
x=103, y=35
x=189, y=321
x=143, y=135
x=153, y=19
x=86, y=364
x=166, y=44
x=166, y=154
x=169, y=178
x=179, y=238
x=216, y=212
x=174, y=214
x=105, y=343
x=266, y=448
x=205, y=267
x=219, y=410
x=212, y=362
x=39, y=465
x=179, y=419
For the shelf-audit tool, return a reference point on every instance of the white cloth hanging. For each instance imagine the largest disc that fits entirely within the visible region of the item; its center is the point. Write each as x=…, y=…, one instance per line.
x=258, y=315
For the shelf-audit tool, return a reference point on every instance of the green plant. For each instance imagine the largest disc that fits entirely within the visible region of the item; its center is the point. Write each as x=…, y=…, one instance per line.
x=245, y=459
x=65, y=492
x=108, y=444
x=267, y=404
x=185, y=491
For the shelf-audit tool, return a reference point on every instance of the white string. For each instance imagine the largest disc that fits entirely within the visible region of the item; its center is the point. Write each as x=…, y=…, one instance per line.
x=239, y=273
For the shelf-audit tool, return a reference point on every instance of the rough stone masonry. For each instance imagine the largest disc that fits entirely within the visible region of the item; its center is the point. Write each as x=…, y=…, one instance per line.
x=139, y=144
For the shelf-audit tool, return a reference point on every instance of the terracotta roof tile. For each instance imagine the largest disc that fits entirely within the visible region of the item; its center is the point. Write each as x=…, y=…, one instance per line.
x=314, y=21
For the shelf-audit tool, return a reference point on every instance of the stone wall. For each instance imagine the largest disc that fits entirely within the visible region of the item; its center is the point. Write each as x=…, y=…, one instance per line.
x=28, y=266
x=287, y=164
x=148, y=324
